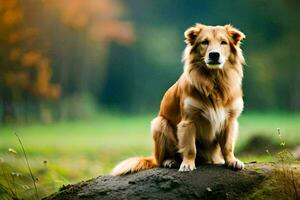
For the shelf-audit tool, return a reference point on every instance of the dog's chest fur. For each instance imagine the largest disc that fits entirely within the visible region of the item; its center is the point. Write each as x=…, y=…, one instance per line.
x=216, y=116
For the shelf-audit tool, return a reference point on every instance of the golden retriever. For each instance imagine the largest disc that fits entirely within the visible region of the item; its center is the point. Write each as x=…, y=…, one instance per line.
x=198, y=114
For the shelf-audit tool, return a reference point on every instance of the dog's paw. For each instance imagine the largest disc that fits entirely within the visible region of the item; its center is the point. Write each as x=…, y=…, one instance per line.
x=187, y=166
x=235, y=164
x=169, y=163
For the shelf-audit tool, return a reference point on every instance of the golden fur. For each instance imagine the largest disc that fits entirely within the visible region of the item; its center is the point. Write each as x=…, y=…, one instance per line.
x=198, y=114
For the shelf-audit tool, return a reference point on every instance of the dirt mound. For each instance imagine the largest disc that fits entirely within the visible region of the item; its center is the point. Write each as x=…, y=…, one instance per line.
x=207, y=182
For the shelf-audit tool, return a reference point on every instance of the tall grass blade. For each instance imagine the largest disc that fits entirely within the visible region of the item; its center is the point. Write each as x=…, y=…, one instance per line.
x=28, y=166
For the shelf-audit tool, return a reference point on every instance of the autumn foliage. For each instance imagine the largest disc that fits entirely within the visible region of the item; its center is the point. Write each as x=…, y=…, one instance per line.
x=28, y=53
x=22, y=59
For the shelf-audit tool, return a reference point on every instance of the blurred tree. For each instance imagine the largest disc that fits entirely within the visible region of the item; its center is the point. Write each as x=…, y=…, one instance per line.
x=25, y=69
x=66, y=37
x=87, y=29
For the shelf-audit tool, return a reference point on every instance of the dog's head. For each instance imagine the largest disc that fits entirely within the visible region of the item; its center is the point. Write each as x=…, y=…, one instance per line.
x=213, y=45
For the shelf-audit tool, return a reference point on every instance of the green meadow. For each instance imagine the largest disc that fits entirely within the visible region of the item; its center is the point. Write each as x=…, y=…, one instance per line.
x=67, y=152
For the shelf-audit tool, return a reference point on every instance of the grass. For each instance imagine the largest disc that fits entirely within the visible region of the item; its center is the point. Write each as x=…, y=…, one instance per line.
x=68, y=152
x=283, y=180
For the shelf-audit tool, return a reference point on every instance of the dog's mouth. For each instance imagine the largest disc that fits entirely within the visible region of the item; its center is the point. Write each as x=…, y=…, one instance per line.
x=212, y=64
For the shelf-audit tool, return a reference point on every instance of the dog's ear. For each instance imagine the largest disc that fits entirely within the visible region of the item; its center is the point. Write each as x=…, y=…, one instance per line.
x=235, y=34
x=192, y=33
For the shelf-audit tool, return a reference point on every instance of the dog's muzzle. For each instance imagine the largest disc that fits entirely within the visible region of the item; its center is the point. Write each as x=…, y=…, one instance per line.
x=214, y=60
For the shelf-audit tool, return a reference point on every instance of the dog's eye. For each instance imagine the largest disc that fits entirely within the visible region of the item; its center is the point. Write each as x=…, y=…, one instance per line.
x=223, y=42
x=204, y=42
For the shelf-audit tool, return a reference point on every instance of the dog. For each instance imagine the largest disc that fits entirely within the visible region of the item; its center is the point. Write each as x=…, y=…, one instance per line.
x=198, y=115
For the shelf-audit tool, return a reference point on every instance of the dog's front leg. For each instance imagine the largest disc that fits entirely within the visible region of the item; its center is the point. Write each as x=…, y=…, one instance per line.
x=227, y=142
x=187, y=144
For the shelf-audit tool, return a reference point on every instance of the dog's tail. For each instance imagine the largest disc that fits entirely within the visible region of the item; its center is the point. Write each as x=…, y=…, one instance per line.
x=133, y=165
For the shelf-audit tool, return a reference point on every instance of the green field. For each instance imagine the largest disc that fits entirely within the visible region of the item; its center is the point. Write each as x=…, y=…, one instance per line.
x=68, y=152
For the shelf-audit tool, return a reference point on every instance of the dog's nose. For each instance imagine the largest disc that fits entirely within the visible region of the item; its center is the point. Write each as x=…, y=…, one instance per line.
x=214, y=56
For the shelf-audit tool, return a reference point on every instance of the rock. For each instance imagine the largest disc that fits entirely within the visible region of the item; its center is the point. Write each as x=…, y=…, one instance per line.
x=206, y=182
